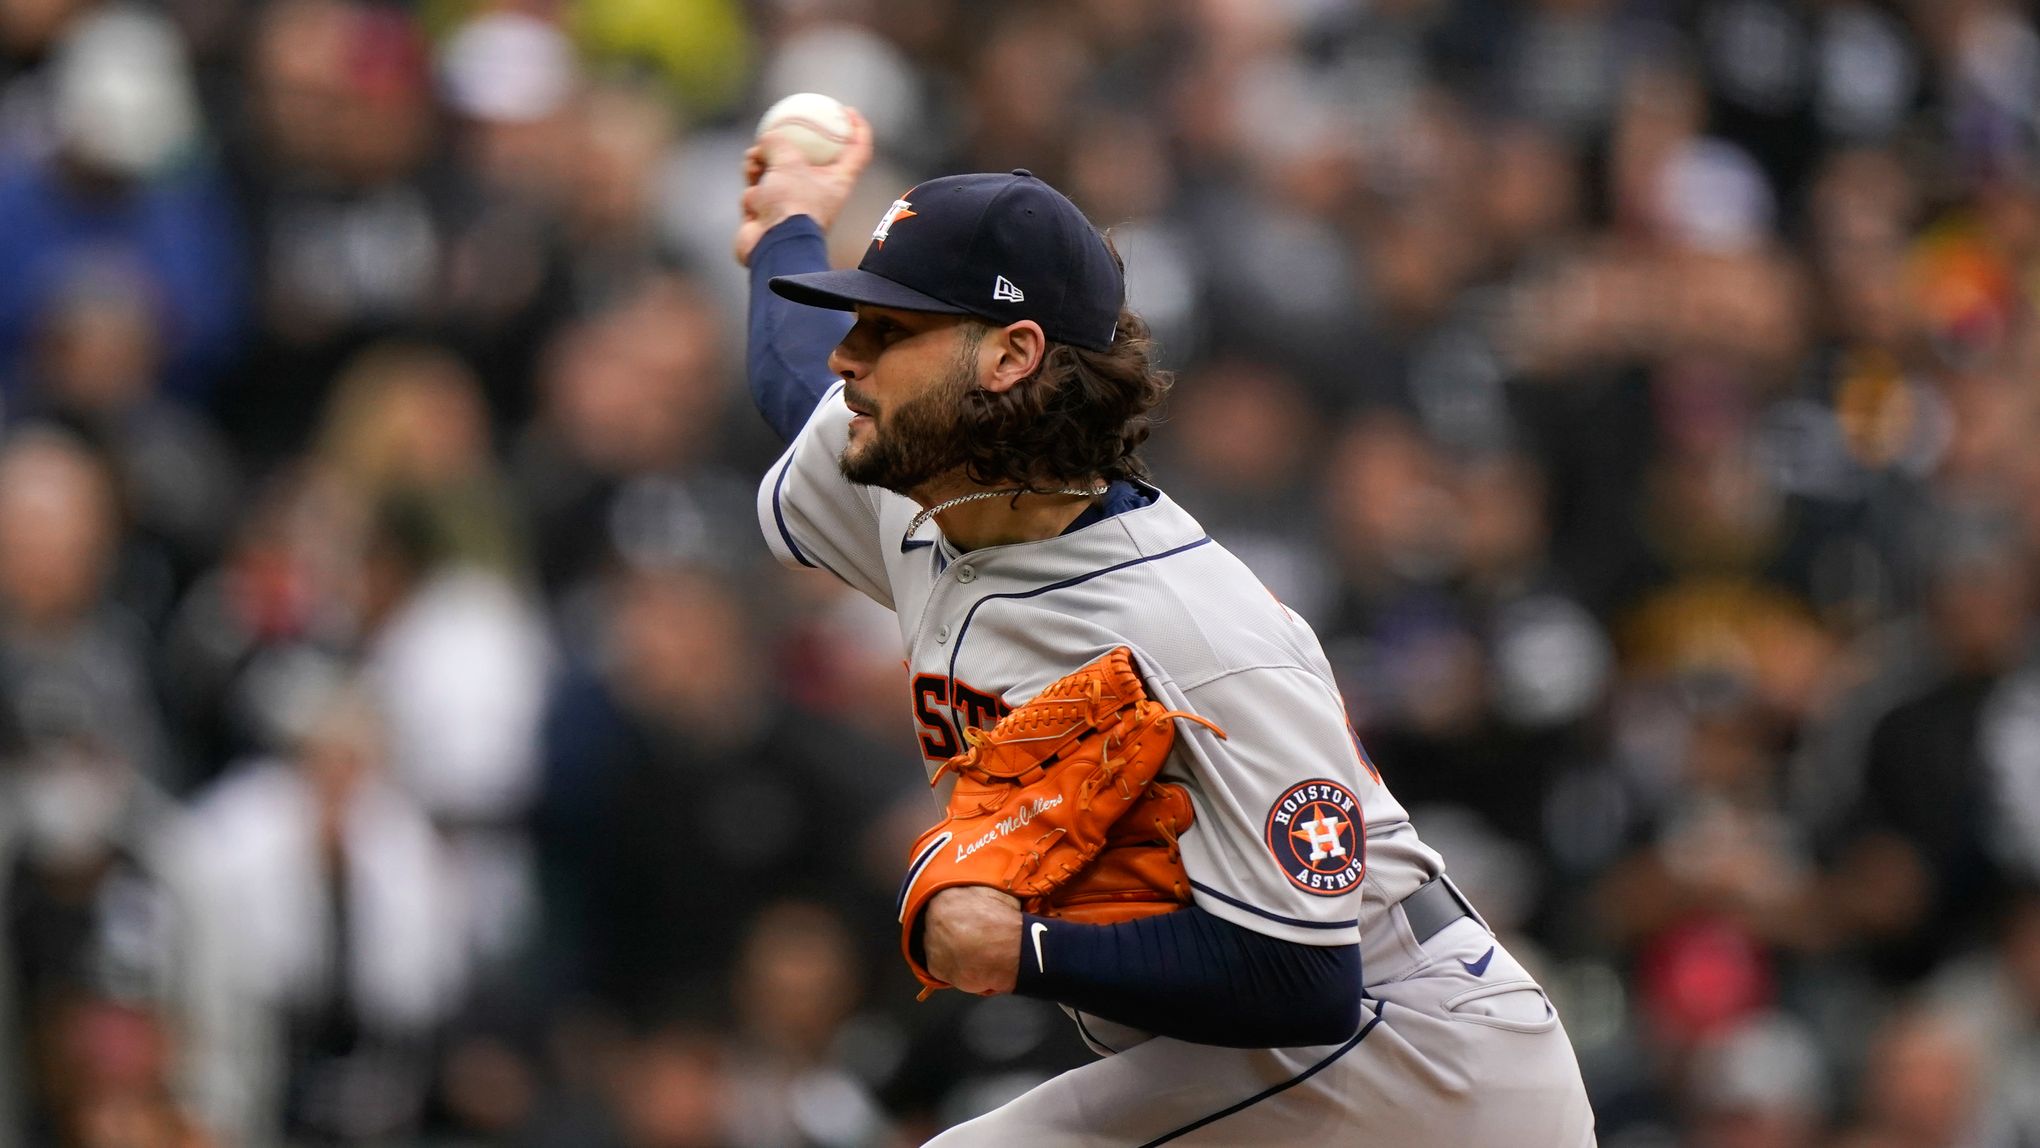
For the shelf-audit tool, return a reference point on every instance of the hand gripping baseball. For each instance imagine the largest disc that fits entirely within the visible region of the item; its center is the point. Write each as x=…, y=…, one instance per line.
x=1038, y=797
x=781, y=183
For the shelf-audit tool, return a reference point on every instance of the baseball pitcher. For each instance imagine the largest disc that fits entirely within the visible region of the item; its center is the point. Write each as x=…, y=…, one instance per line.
x=1157, y=814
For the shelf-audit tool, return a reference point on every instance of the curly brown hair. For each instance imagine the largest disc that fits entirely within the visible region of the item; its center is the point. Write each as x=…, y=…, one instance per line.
x=1082, y=413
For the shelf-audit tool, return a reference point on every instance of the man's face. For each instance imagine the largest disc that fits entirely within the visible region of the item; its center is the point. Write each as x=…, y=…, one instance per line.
x=906, y=376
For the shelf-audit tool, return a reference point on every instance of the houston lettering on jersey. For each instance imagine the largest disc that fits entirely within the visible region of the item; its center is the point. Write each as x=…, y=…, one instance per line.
x=1315, y=831
x=933, y=704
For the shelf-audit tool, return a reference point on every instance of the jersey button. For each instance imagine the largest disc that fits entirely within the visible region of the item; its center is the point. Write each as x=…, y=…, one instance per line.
x=965, y=574
x=941, y=634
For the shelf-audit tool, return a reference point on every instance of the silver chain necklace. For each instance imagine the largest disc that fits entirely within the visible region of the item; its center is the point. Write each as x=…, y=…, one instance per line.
x=921, y=518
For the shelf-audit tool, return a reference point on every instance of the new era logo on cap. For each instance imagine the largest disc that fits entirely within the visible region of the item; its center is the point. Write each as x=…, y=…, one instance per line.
x=973, y=232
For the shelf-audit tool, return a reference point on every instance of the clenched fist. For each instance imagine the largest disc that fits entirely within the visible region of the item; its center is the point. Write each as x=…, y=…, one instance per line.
x=973, y=938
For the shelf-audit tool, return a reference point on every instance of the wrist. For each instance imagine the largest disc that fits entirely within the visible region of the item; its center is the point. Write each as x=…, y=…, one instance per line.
x=797, y=225
x=1037, y=936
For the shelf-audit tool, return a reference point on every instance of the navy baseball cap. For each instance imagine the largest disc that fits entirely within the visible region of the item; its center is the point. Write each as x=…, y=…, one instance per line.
x=1001, y=247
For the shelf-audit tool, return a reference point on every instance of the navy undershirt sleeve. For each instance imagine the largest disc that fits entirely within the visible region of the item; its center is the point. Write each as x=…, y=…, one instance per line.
x=787, y=354
x=1195, y=977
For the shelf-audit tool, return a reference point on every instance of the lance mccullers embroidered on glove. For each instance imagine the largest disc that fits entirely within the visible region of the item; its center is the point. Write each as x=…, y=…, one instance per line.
x=1038, y=798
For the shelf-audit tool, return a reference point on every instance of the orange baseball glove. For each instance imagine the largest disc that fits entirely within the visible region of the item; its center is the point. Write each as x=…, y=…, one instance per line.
x=1043, y=794
x=1139, y=873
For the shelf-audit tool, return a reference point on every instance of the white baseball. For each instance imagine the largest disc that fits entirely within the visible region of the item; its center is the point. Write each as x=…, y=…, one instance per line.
x=816, y=125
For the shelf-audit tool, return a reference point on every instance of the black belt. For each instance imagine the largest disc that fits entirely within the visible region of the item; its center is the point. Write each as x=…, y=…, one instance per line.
x=1436, y=904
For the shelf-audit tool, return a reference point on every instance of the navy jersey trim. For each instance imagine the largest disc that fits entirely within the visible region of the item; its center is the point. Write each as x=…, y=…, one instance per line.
x=779, y=485
x=1351, y=1043
x=914, y=868
x=779, y=517
x=1065, y=584
x=1090, y=1038
x=1236, y=903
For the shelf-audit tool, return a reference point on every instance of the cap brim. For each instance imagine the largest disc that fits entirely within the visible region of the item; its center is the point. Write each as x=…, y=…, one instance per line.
x=844, y=290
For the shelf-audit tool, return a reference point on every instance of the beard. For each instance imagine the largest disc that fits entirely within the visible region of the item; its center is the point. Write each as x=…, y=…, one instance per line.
x=919, y=438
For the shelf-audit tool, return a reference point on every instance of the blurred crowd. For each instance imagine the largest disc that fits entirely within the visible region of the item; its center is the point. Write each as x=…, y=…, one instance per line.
x=405, y=737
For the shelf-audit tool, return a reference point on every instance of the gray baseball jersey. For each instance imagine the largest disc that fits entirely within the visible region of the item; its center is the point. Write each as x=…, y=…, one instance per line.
x=1296, y=837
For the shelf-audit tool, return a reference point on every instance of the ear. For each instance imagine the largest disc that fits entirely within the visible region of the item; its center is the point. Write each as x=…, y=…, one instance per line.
x=1010, y=354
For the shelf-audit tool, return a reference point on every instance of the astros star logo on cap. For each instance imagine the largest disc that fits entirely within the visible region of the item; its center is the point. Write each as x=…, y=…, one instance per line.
x=893, y=214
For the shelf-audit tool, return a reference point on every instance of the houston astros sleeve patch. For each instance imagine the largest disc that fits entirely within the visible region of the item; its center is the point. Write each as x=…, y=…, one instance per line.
x=1315, y=832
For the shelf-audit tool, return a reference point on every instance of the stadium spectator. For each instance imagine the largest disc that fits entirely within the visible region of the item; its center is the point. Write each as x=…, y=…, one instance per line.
x=65, y=639
x=126, y=183
x=333, y=918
